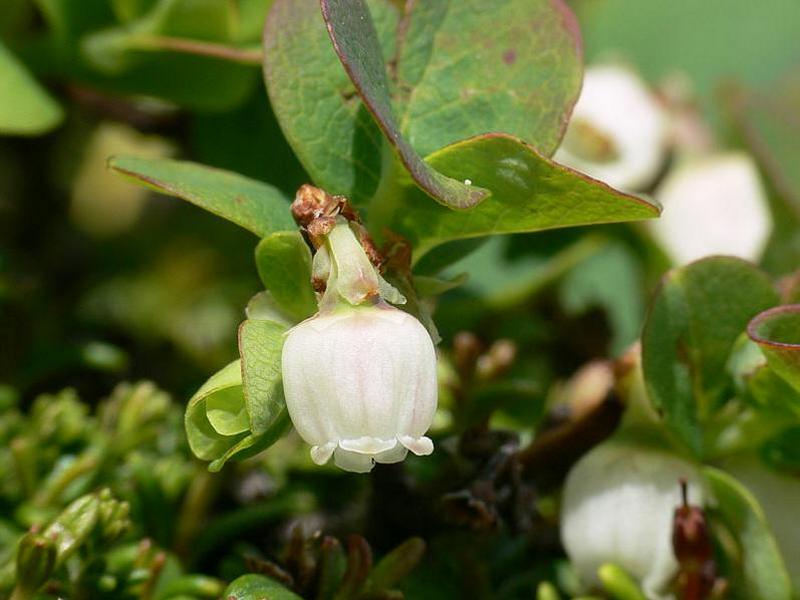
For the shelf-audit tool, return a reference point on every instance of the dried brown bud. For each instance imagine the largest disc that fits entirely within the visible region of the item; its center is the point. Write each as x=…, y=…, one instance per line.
x=311, y=203
x=690, y=536
x=319, y=228
x=497, y=360
x=315, y=210
x=589, y=388
x=691, y=542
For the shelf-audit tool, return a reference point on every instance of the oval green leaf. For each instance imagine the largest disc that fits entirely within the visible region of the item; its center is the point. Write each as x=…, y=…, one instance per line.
x=283, y=260
x=468, y=67
x=317, y=107
x=694, y=321
x=25, y=107
x=529, y=193
x=256, y=206
x=764, y=572
x=260, y=346
x=250, y=587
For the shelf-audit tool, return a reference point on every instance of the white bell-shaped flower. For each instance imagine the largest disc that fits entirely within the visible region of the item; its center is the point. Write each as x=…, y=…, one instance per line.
x=618, y=507
x=713, y=205
x=618, y=132
x=360, y=385
x=360, y=376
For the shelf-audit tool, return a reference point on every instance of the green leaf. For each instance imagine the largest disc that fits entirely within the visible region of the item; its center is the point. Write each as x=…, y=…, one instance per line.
x=263, y=307
x=396, y=565
x=129, y=10
x=333, y=564
x=201, y=54
x=468, y=67
x=284, y=265
x=222, y=422
x=501, y=275
x=98, y=513
x=777, y=332
x=25, y=107
x=457, y=69
x=356, y=43
x=765, y=576
x=770, y=392
x=68, y=19
x=35, y=562
x=252, y=587
x=200, y=27
x=443, y=256
x=694, y=321
x=529, y=193
x=205, y=441
x=429, y=287
x=782, y=451
x=251, y=444
x=256, y=206
x=198, y=83
x=241, y=410
x=260, y=345
x=323, y=120
x=189, y=586
x=226, y=412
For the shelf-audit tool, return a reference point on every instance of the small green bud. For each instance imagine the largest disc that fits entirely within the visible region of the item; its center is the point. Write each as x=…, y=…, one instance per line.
x=36, y=561
x=618, y=583
x=113, y=514
x=71, y=528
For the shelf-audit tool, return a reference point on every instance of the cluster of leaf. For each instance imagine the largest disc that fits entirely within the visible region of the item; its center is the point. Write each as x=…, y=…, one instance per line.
x=58, y=451
x=108, y=504
x=319, y=567
x=162, y=48
x=721, y=369
x=58, y=531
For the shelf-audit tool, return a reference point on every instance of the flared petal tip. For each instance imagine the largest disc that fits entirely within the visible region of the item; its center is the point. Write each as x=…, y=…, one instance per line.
x=322, y=454
x=421, y=446
x=360, y=455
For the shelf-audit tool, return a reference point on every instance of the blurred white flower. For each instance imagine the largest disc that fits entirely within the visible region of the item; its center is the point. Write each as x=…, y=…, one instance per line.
x=713, y=205
x=618, y=507
x=618, y=131
x=360, y=385
x=360, y=377
x=103, y=203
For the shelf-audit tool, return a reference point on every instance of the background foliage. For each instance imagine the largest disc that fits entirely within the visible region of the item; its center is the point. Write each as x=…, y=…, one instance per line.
x=439, y=127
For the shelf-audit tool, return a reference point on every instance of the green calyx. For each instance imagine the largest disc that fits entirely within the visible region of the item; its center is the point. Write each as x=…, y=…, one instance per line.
x=351, y=279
